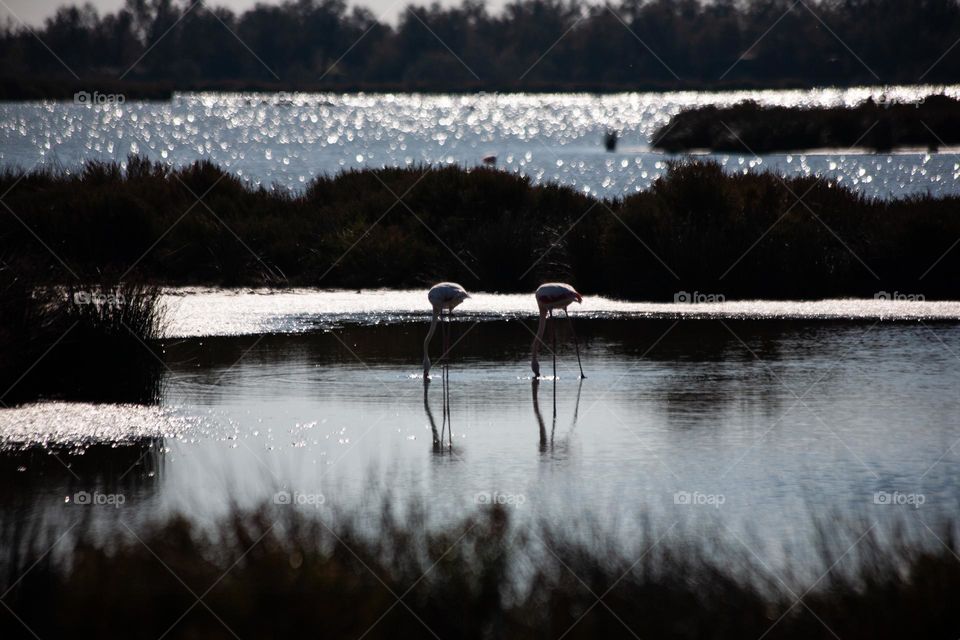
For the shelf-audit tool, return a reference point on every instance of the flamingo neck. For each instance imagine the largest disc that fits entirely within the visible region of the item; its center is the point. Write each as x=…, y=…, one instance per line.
x=534, y=362
x=426, y=342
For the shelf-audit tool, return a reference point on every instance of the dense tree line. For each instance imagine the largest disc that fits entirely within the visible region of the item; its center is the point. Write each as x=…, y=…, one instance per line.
x=530, y=44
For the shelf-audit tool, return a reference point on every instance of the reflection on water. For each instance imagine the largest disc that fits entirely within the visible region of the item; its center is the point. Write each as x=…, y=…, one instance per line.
x=56, y=486
x=549, y=443
x=782, y=418
x=548, y=137
x=442, y=439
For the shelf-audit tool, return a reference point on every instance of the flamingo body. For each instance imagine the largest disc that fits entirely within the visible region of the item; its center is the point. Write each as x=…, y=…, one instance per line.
x=550, y=296
x=444, y=296
x=556, y=295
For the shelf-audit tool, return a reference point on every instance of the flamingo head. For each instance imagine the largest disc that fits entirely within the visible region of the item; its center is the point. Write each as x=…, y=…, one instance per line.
x=578, y=297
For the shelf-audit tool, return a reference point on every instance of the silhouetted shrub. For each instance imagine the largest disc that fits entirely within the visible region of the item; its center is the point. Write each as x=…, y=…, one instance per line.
x=696, y=228
x=748, y=127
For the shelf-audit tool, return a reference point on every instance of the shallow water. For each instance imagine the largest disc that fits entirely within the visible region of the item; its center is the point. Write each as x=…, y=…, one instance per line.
x=749, y=424
x=209, y=311
x=290, y=138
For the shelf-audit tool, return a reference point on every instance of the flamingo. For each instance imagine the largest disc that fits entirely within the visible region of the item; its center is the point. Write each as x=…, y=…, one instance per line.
x=550, y=296
x=444, y=295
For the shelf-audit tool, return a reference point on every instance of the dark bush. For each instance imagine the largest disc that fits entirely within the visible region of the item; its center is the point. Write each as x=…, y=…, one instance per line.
x=696, y=228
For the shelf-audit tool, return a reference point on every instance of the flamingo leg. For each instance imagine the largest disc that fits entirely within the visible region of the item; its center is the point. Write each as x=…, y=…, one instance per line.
x=446, y=336
x=449, y=413
x=553, y=427
x=553, y=336
x=576, y=343
x=446, y=413
x=446, y=380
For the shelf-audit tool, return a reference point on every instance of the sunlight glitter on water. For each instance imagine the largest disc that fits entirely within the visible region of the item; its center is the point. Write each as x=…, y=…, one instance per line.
x=549, y=137
x=220, y=312
x=76, y=424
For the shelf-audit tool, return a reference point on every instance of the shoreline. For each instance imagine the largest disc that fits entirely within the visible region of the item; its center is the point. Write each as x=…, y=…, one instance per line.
x=199, y=312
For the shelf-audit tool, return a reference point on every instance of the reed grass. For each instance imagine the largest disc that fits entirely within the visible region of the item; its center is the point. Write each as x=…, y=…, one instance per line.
x=283, y=572
x=88, y=342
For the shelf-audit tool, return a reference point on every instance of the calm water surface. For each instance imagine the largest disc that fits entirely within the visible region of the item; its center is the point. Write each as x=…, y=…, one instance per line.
x=766, y=420
x=288, y=139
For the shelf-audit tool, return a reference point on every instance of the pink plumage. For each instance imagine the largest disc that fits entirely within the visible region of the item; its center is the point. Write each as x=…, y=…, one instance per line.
x=444, y=296
x=556, y=295
x=550, y=296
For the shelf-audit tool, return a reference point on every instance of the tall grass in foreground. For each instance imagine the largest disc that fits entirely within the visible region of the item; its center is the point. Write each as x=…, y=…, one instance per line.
x=279, y=572
x=88, y=342
x=697, y=228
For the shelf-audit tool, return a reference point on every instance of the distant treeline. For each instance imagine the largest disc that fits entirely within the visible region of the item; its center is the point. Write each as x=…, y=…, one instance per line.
x=748, y=127
x=697, y=228
x=150, y=47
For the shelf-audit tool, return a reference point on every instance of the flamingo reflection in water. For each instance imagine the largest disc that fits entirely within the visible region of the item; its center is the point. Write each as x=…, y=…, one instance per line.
x=547, y=443
x=442, y=441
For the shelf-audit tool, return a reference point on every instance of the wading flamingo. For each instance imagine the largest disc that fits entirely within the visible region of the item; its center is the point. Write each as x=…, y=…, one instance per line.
x=550, y=296
x=445, y=295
